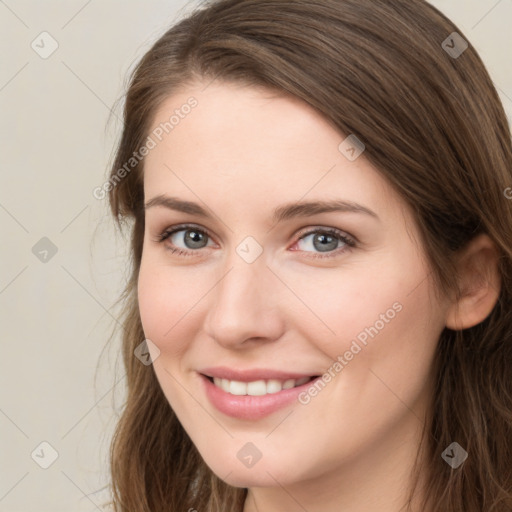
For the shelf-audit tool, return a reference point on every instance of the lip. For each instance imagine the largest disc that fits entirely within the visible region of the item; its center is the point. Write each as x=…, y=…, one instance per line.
x=249, y=375
x=247, y=407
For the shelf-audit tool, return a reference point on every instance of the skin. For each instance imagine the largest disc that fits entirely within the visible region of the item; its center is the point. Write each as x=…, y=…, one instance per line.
x=241, y=153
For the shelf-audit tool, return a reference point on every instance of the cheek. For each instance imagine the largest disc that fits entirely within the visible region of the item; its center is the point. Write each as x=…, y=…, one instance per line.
x=166, y=309
x=361, y=302
x=387, y=334
x=166, y=303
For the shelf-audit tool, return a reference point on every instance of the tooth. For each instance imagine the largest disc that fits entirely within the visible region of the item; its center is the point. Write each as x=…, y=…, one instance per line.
x=274, y=386
x=288, y=384
x=237, y=388
x=257, y=388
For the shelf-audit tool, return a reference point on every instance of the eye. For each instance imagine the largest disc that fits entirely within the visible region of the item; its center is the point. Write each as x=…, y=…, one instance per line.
x=325, y=241
x=191, y=237
x=322, y=240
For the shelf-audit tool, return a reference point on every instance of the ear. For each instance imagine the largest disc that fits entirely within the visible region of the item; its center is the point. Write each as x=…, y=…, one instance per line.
x=480, y=282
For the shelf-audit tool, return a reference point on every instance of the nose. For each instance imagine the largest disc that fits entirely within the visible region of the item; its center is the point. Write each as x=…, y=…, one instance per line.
x=245, y=308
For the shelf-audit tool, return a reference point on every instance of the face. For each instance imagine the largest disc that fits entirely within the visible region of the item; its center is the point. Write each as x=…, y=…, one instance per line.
x=240, y=287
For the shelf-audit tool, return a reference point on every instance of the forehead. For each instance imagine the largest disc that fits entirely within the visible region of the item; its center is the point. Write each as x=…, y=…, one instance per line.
x=254, y=148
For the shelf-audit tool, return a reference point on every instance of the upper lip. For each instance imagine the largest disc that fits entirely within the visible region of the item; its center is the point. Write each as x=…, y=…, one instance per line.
x=252, y=374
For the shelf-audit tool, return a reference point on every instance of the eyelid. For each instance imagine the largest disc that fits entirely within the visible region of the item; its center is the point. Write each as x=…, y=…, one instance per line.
x=301, y=233
x=349, y=240
x=167, y=232
x=313, y=229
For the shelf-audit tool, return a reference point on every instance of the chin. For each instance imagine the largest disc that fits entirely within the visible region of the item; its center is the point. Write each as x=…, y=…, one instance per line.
x=249, y=478
x=262, y=474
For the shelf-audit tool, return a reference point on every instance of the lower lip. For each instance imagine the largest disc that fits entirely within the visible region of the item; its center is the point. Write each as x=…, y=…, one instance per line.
x=247, y=407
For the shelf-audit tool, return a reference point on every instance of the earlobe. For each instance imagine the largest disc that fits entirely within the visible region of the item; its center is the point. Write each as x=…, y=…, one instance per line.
x=479, y=281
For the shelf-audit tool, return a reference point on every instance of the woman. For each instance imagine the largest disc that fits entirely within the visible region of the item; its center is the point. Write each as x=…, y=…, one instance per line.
x=322, y=265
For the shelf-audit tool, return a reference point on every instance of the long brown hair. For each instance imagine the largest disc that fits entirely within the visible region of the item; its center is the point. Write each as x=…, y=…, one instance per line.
x=433, y=125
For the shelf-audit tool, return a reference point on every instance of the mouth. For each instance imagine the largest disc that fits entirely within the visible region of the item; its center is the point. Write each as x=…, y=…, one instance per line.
x=259, y=394
x=258, y=387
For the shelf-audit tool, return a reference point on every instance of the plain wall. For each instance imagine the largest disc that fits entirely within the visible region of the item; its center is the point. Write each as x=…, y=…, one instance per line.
x=56, y=309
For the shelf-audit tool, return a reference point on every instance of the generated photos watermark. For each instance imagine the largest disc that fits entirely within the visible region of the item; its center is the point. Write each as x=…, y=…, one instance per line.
x=355, y=348
x=152, y=141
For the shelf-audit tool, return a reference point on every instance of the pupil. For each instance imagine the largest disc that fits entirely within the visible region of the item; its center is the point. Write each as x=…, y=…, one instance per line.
x=194, y=238
x=327, y=238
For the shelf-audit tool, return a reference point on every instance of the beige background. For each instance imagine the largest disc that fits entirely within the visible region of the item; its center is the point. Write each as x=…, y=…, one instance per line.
x=56, y=315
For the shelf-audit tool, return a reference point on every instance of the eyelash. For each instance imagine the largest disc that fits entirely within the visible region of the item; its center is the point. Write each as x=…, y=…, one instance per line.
x=349, y=242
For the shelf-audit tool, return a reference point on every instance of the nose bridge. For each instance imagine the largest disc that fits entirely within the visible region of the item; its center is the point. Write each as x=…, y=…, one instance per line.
x=243, y=303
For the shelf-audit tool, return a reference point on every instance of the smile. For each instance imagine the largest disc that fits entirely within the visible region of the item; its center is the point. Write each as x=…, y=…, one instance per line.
x=252, y=395
x=257, y=387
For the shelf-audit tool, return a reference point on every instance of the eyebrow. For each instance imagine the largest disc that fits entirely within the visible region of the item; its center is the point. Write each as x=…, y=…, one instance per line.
x=282, y=213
